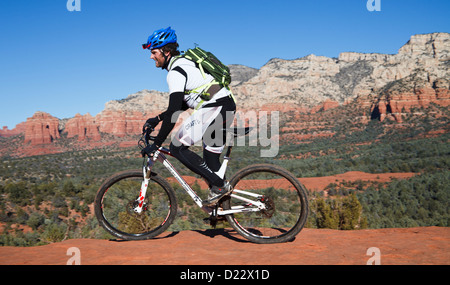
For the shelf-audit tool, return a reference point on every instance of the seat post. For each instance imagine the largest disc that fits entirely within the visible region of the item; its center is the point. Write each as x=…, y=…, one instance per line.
x=228, y=154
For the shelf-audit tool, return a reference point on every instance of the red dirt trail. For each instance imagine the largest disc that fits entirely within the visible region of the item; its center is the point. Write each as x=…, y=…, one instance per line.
x=405, y=246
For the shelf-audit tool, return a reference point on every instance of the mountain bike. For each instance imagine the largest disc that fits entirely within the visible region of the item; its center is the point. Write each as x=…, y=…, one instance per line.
x=267, y=205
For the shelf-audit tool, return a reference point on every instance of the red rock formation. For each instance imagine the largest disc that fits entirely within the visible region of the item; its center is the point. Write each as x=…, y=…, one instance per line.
x=120, y=123
x=83, y=127
x=442, y=91
x=135, y=120
x=42, y=128
x=326, y=105
x=5, y=132
x=112, y=122
x=330, y=104
x=397, y=102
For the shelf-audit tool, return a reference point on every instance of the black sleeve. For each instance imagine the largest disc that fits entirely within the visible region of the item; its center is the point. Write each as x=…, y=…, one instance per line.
x=184, y=107
x=176, y=103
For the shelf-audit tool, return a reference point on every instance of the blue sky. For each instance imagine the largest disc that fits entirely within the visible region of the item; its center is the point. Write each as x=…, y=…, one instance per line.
x=64, y=63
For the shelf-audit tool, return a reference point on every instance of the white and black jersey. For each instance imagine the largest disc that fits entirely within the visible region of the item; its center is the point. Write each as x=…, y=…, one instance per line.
x=185, y=76
x=206, y=124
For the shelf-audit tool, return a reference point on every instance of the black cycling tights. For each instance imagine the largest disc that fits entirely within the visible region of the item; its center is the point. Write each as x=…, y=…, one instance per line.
x=205, y=166
x=210, y=162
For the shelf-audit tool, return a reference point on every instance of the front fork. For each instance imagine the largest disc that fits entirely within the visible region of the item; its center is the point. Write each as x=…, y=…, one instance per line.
x=147, y=170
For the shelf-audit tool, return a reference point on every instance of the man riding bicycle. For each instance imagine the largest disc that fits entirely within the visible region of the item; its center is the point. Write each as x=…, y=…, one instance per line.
x=207, y=123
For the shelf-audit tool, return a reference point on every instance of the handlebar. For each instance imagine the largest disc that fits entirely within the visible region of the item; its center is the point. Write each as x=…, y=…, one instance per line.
x=146, y=137
x=145, y=141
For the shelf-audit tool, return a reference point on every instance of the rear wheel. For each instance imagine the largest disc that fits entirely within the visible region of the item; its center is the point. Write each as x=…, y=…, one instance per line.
x=284, y=198
x=117, y=198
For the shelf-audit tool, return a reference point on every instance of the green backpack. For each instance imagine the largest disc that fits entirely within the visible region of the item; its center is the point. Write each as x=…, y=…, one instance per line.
x=208, y=62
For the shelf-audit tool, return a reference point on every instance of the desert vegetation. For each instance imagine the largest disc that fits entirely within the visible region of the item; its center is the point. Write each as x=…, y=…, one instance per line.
x=48, y=198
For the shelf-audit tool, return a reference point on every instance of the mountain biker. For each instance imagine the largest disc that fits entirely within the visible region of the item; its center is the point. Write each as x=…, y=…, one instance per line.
x=207, y=122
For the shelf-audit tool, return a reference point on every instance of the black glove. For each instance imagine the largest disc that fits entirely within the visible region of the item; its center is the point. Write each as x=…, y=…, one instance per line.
x=149, y=150
x=152, y=123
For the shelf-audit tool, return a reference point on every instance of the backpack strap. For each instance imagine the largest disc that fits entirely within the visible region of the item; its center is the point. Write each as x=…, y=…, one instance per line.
x=182, y=72
x=198, y=60
x=175, y=58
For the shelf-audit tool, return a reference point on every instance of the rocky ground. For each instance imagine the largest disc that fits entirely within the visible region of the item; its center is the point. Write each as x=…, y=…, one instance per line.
x=406, y=246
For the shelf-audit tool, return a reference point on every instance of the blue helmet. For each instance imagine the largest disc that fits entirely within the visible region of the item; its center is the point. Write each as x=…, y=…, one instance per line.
x=160, y=38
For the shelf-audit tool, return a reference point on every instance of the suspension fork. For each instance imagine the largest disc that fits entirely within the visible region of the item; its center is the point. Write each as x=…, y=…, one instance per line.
x=146, y=170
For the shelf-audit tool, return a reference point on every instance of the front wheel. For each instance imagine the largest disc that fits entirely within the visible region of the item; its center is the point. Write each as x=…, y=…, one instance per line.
x=284, y=197
x=116, y=200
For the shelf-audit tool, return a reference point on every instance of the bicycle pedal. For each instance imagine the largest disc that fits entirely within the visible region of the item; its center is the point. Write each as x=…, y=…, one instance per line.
x=218, y=218
x=221, y=218
x=212, y=220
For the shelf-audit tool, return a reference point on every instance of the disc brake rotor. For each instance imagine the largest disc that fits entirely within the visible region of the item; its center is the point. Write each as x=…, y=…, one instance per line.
x=132, y=205
x=270, y=206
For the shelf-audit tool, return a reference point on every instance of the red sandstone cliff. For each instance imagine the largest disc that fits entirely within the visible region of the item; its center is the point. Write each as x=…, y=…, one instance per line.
x=19, y=129
x=84, y=127
x=120, y=123
x=42, y=128
x=326, y=105
x=400, y=97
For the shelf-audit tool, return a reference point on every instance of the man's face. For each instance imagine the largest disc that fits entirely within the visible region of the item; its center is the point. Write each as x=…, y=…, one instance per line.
x=158, y=57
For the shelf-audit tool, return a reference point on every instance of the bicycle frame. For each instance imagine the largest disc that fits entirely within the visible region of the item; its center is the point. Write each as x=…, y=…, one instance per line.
x=159, y=155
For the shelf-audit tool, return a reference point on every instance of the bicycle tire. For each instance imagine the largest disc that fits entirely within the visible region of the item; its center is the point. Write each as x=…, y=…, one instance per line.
x=253, y=227
x=161, y=206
